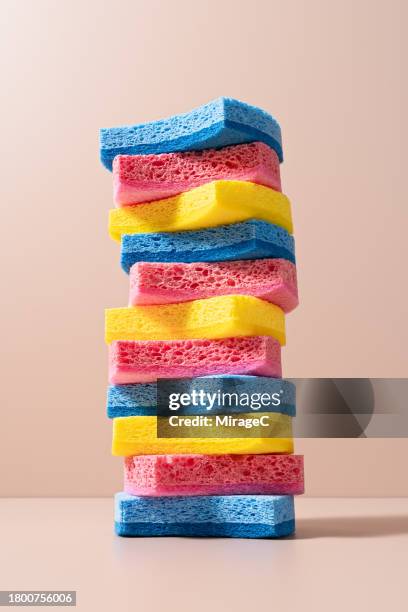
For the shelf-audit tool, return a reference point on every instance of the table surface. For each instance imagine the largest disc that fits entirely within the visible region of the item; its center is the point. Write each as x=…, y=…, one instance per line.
x=347, y=554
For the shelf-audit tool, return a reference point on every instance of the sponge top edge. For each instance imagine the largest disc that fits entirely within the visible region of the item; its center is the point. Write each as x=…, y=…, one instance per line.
x=221, y=122
x=211, y=110
x=205, y=113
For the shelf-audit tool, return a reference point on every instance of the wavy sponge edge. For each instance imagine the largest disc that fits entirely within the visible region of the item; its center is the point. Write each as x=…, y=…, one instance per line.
x=247, y=240
x=217, y=124
x=140, y=361
x=217, y=317
x=142, y=178
x=273, y=280
x=213, y=204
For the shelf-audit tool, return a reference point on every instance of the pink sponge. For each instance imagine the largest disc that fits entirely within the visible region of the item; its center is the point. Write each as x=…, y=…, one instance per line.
x=163, y=283
x=143, y=178
x=158, y=475
x=143, y=361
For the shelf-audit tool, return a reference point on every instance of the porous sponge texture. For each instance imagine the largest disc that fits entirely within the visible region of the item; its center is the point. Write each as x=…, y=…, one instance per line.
x=240, y=516
x=273, y=280
x=143, y=178
x=247, y=240
x=146, y=361
x=213, y=204
x=219, y=123
x=141, y=399
x=137, y=435
x=218, y=317
x=157, y=475
x=131, y=400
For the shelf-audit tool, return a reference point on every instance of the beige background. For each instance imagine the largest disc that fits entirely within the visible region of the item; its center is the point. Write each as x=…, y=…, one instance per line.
x=333, y=73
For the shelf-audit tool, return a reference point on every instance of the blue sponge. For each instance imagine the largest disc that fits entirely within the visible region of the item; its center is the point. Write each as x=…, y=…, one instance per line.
x=132, y=400
x=141, y=399
x=223, y=516
x=248, y=240
x=219, y=123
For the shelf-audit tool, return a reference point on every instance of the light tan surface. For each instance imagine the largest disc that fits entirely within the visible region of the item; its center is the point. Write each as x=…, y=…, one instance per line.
x=333, y=73
x=348, y=554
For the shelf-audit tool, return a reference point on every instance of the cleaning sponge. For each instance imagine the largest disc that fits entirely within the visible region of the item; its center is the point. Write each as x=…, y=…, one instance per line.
x=146, y=361
x=140, y=178
x=219, y=123
x=223, y=516
x=216, y=203
x=141, y=399
x=218, y=317
x=156, y=475
x=138, y=435
x=248, y=240
x=273, y=280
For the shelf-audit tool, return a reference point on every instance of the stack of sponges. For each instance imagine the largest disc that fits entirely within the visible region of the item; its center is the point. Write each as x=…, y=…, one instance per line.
x=206, y=238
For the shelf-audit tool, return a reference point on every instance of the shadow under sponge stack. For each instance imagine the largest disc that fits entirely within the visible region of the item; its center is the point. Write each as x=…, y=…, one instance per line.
x=206, y=238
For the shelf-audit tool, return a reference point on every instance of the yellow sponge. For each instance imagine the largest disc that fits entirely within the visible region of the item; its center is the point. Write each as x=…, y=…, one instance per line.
x=137, y=435
x=218, y=317
x=216, y=203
